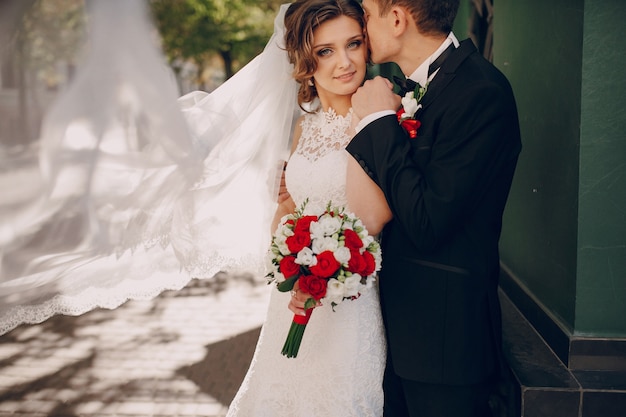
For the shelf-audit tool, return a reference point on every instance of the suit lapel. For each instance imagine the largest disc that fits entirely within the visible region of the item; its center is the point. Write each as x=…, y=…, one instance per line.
x=447, y=72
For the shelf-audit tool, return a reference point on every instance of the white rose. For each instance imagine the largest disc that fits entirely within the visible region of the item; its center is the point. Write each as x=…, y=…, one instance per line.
x=316, y=230
x=306, y=257
x=330, y=225
x=342, y=255
x=326, y=243
x=352, y=285
x=281, y=243
x=334, y=291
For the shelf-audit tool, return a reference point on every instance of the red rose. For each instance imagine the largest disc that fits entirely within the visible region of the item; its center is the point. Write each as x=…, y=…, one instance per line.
x=304, y=223
x=356, y=264
x=370, y=264
x=353, y=241
x=288, y=266
x=298, y=241
x=313, y=285
x=326, y=265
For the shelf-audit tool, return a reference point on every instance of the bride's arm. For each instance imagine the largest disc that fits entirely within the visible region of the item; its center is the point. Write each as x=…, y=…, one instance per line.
x=284, y=208
x=365, y=198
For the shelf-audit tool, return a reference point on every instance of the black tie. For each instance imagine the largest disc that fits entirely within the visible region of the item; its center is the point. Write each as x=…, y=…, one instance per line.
x=409, y=85
x=406, y=85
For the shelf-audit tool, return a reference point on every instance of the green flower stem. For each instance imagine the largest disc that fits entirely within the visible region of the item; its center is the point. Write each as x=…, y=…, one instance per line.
x=296, y=331
x=294, y=338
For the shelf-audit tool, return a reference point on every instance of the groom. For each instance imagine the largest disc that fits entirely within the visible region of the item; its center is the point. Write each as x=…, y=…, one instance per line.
x=447, y=188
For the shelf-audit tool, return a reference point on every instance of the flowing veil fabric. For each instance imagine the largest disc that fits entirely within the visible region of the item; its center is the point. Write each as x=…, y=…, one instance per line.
x=131, y=190
x=225, y=220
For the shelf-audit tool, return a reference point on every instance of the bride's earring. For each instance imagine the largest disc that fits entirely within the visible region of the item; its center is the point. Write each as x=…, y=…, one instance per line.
x=310, y=82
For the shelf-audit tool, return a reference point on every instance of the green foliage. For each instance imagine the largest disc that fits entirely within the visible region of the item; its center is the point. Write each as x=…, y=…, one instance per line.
x=51, y=31
x=196, y=30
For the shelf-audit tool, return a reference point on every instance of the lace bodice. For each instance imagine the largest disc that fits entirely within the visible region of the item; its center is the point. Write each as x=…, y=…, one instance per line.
x=317, y=168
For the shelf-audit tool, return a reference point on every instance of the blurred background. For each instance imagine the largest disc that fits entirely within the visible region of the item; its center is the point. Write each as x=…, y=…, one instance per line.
x=204, y=42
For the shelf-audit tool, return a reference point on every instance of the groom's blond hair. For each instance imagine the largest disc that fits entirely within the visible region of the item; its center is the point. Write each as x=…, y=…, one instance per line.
x=430, y=16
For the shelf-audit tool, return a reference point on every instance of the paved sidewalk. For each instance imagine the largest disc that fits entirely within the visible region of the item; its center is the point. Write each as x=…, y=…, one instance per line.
x=182, y=354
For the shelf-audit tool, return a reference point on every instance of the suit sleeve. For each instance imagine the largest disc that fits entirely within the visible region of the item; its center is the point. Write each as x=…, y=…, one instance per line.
x=472, y=143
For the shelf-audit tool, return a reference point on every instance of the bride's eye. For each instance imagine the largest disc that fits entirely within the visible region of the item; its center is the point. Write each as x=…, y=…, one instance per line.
x=355, y=44
x=324, y=52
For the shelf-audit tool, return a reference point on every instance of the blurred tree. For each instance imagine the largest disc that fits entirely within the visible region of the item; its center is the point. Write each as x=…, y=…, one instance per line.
x=52, y=32
x=40, y=44
x=196, y=30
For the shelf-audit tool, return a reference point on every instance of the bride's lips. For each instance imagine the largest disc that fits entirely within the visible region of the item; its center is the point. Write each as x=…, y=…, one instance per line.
x=346, y=77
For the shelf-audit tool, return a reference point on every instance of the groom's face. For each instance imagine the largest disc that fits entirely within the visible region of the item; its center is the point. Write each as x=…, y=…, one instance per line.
x=381, y=42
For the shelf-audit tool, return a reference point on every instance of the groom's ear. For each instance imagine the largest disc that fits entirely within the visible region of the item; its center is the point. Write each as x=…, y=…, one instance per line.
x=399, y=19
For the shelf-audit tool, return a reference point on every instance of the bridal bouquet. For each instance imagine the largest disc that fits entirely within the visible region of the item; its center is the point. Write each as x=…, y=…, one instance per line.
x=330, y=255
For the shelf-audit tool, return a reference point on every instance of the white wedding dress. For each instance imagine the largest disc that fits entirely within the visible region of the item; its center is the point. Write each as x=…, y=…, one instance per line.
x=339, y=368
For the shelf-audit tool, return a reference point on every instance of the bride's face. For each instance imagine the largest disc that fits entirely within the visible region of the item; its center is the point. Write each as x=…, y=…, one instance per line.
x=341, y=53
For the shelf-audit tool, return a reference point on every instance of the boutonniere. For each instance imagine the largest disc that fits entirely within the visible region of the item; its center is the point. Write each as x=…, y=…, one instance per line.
x=410, y=106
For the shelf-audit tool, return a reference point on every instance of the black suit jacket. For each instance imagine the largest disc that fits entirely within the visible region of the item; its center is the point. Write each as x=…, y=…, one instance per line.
x=447, y=190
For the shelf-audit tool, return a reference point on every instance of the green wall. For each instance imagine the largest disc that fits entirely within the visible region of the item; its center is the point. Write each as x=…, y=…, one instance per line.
x=601, y=285
x=537, y=44
x=461, y=23
x=564, y=226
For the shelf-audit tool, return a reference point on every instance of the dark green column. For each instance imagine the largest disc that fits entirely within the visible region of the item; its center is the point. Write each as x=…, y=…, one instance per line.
x=563, y=246
x=564, y=236
x=601, y=264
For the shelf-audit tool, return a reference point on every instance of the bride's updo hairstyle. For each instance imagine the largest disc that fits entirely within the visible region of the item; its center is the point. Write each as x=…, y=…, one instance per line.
x=301, y=19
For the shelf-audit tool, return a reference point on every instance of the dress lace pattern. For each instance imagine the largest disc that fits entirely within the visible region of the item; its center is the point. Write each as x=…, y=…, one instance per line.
x=339, y=368
x=316, y=170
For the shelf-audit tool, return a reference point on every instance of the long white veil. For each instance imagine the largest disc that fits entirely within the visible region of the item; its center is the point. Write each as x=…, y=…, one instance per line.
x=130, y=190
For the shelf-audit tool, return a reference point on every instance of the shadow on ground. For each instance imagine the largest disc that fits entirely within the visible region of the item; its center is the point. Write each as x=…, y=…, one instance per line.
x=222, y=370
x=66, y=366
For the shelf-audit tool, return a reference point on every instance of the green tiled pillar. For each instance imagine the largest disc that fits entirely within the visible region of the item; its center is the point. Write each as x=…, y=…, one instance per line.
x=564, y=236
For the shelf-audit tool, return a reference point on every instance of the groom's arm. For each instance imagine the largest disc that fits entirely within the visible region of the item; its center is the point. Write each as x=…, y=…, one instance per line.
x=474, y=142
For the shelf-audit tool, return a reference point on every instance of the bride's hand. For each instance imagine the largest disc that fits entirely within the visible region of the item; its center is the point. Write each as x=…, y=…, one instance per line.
x=298, y=299
x=283, y=194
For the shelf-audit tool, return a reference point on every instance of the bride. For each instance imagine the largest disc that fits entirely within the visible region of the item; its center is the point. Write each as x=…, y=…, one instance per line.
x=339, y=368
x=132, y=190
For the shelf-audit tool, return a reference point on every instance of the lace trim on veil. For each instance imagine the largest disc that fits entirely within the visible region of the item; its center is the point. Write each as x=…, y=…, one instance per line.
x=136, y=190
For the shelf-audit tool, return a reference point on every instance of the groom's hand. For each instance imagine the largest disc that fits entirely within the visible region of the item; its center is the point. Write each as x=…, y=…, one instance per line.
x=374, y=96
